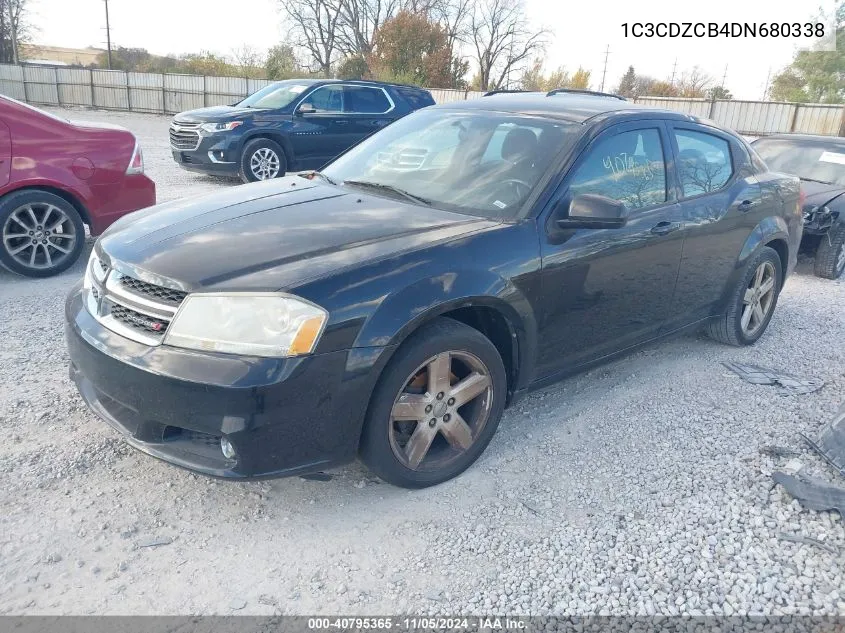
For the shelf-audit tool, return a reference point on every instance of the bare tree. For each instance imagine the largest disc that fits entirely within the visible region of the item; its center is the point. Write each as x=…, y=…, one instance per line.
x=315, y=27
x=694, y=83
x=14, y=29
x=249, y=60
x=360, y=21
x=502, y=40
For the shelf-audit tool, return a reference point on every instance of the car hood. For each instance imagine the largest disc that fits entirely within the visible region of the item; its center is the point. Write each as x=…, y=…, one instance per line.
x=271, y=235
x=215, y=113
x=820, y=193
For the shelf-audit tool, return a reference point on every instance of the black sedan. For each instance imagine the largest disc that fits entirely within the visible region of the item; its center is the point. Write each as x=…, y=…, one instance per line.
x=819, y=161
x=392, y=306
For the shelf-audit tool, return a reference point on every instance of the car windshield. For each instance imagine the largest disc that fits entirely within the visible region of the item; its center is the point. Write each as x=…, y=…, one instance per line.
x=824, y=162
x=476, y=162
x=276, y=95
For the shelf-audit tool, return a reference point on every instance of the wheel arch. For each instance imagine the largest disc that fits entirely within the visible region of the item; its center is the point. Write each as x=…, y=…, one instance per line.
x=67, y=196
x=271, y=135
x=478, y=299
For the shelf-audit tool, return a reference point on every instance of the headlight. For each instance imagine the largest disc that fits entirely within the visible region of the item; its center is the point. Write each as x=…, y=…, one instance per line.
x=255, y=324
x=211, y=128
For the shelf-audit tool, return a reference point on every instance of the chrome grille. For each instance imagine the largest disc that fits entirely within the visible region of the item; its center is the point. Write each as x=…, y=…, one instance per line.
x=184, y=135
x=139, y=310
x=151, y=291
x=150, y=326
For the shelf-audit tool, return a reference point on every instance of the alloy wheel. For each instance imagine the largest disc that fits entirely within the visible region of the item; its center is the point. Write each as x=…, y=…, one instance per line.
x=759, y=299
x=39, y=236
x=264, y=163
x=440, y=411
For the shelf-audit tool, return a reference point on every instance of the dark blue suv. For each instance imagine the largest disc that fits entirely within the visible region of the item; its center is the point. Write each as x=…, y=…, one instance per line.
x=290, y=125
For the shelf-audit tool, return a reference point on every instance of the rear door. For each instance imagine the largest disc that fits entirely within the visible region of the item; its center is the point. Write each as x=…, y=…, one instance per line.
x=607, y=289
x=721, y=203
x=5, y=153
x=367, y=109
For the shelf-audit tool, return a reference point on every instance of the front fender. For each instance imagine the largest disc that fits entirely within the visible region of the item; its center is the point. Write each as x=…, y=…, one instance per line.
x=405, y=310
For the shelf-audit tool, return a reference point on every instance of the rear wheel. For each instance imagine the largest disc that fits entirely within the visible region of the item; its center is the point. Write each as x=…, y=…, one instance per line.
x=436, y=407
x=830, y=255
x=262, y=159
x=752, y=302
x=42, y=234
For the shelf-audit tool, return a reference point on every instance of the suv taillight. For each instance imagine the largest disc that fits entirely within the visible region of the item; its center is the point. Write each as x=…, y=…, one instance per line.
x=136, y=164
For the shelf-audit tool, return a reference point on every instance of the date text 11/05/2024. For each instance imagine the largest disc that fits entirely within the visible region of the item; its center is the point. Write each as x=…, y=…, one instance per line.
x=492, y=623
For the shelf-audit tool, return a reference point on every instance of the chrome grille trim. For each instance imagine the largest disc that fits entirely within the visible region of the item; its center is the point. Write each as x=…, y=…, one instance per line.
x=184, y=135
x=119, y=306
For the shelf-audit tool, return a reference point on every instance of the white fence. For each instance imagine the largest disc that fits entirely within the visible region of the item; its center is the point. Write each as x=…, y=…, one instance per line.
x=168, y=94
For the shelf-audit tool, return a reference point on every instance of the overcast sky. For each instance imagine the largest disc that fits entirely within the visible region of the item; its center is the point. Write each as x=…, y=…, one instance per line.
x=581, y=32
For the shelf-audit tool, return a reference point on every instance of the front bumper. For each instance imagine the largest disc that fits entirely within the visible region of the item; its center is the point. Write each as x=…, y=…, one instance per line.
x=216, y=154
x=283, y=416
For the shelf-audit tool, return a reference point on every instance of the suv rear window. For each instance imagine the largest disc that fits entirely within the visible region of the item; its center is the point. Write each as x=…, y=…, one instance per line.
x=416, y=98
x=359, y=99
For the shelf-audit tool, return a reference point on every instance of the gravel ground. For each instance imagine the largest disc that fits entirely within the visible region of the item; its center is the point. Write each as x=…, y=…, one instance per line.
x=642, y=487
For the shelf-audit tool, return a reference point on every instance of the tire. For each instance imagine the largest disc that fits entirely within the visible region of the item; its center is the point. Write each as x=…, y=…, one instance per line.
x=729, y=328
x=34, y=249
x=830, y=255
x=274, y=166
x=461, y=432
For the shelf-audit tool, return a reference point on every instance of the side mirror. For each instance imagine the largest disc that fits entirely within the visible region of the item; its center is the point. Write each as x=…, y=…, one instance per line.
x=590, y=211
x=305, y=109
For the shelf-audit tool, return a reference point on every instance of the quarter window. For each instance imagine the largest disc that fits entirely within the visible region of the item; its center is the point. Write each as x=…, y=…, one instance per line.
x=361, y=100
x=628, y=167
x=704, y=162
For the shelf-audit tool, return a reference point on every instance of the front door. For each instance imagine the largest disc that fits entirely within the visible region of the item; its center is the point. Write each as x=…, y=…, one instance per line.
x=607, y=289
x=318, y=127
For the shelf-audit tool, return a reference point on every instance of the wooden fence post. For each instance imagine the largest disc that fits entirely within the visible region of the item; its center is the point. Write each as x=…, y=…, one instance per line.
x=93, y=93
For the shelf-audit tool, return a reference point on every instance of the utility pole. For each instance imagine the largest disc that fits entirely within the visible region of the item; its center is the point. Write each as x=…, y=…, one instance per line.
x=674, y=68
x=108, y=32
x=724, y=76
x=604, y=72
x=766, y=88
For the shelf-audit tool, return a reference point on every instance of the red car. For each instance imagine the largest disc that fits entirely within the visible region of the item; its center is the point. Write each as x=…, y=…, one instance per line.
x=56, y=177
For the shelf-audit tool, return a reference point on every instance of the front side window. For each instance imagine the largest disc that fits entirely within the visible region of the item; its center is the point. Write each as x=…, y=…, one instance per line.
x=628, y=166
x=361, y=100
x=704, y=162
x=326, y=99
x=477, y=162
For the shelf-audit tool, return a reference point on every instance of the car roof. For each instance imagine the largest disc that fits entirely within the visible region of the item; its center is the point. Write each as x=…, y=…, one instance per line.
x=813, y=138
x=361, y=82
x=567, y=106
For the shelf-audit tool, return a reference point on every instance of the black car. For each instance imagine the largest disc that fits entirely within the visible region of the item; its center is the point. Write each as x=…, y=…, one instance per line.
x=819, y=161
x=392, y=306
x=289, y=125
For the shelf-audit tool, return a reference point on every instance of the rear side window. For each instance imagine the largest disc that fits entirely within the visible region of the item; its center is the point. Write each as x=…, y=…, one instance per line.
x=704, y=162
x=416, y=98
x=363, y=100
x=629, y=167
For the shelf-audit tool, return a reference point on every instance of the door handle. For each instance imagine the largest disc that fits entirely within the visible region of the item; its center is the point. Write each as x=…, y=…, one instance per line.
x=746, y=205
x=664, y=228
x=342, y=122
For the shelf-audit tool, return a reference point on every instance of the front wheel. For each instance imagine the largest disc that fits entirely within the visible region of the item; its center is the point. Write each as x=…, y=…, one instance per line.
x=752, y=302
x=436, y=407
x=830, y=255
x=262, y=159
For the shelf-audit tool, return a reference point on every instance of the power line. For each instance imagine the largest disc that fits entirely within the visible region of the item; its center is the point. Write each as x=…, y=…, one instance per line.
x=108, y=32
x=604, y=72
